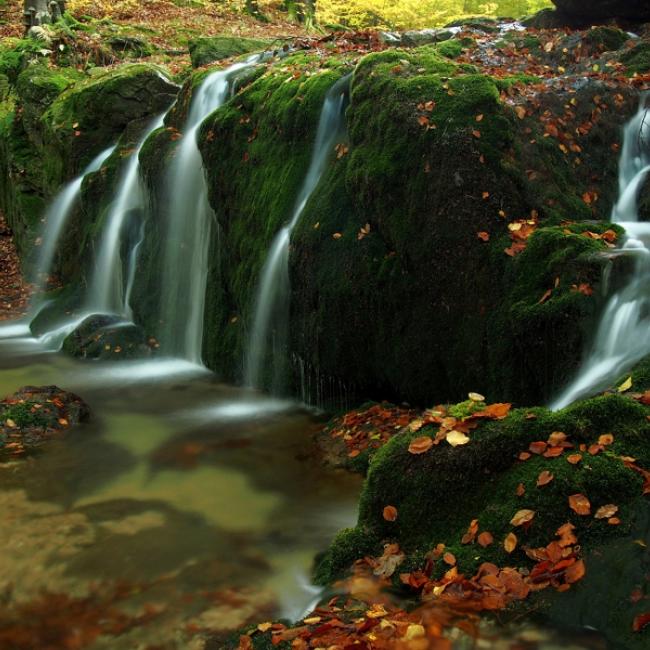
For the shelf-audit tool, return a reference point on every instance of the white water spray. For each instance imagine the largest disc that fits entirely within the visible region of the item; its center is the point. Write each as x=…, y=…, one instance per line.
x=185, y=267
x=56, y=218
x=107, y=293
x=272, y=299
x=623, y=335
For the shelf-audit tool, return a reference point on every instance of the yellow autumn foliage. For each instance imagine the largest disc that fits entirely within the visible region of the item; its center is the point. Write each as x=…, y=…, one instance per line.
x=355, y=14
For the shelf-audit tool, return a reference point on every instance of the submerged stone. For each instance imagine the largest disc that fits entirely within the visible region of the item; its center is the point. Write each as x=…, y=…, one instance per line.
x=107, y=337
x=35, y=414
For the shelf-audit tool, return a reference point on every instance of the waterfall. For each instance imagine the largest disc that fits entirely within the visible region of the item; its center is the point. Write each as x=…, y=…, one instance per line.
x=185, y=267
x=56, y=217
x=272, y=300
x=623, y=334
x=107, y=292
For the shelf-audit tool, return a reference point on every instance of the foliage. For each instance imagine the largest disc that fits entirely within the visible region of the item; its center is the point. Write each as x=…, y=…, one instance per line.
x=410, y=14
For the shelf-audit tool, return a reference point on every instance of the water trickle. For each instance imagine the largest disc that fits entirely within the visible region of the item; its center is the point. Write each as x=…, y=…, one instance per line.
x=107, y=288
x=185, y=267
x=269, y=335
x=56, y=218
x=623, y=335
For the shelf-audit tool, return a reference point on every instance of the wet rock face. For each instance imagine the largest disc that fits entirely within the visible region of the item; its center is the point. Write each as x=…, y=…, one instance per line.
x=35, y=414
x=635, y=10
x=106, y=337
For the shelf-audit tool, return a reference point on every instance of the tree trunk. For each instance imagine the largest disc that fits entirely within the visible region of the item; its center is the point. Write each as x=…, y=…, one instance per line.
x=302, y=11
x=39, y=12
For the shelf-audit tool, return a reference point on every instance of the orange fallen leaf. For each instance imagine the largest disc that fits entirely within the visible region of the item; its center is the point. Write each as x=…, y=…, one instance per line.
x=580, y=504
x=575, y=572
x=521, y=490
x=544, y=478
x=606, y=512
x=510, y=542
x=420, y=445
x=485, y=539
x=574, y=459
x=390, y=513
x=449, y=558
x=522, y=517
x=606, y=439
x=483, y=236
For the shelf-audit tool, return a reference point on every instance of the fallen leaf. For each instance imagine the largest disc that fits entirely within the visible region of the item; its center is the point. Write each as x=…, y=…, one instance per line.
x=606, y=512
x=544, y=478
x=456, y=438
x=580, y=504
x=483, y=236
x=574, y=459
x=510, y=542
x=575, y=572
x=626, y=385
x=521, y=490
x=449, y=558
x=606, y=439
x=485, y=539
x=522, y=517
x=390, y=513
x=420, y=445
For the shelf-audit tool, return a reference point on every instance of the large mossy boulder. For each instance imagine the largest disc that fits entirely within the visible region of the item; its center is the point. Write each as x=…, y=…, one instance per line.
x=633, y=10
x=401, y=283
x=93, y=114
x=210, y=49
x=54, y=121
x=585, y=449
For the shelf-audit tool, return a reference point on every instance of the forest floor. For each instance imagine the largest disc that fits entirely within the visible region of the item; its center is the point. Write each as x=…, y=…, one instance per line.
x=14, y=290
x=164, y=25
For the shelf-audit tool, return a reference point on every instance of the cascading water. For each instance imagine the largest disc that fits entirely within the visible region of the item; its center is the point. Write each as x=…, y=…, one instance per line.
x=272, y=301
x=107, y=292
x=623, y=335
x=185, y=267
x=56, y=218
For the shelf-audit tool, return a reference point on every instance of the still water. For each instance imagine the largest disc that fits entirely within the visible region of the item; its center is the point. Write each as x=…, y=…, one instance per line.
x=207, y=501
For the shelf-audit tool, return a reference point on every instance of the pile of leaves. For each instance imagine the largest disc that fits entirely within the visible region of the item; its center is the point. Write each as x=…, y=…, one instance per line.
x=61, y=622
x=14, y=291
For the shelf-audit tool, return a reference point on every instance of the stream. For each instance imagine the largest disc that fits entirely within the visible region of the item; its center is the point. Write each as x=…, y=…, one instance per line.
x=203, y=496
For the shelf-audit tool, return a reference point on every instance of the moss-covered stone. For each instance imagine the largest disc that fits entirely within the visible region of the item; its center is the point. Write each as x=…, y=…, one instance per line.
x=438, y=494
x=216, y=48
x=637, y=60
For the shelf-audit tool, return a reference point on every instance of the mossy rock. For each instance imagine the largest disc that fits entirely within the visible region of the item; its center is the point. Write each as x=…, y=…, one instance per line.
x=437, y=494
x=93, y=114
x=216, y=48
x=637, y=59
x=106, y=337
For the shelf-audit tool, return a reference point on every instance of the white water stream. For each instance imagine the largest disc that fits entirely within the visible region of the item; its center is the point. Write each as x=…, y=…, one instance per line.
x=185, y=268
x=623, y=335
x=272, y=301
x=107, y=292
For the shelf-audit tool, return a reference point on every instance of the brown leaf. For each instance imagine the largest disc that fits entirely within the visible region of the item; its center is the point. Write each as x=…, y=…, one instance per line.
x=544, y=478
x=606, y=512
x=521, y=490
x=580, y=504
x=390, y=513
x=575, y=572
x=485, y=539
x=420, y=445
x=510, y=542
x=522, y=517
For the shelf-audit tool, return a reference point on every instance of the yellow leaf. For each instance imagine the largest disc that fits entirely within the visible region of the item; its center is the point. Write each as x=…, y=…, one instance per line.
x=456, y=438
x=476, y=397
x=522, y=517
x=626, y=385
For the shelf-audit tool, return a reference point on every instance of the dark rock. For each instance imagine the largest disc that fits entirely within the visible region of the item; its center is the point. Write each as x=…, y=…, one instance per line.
x=136, y=46
x=35, y=414
x=106, y=337
x=632, y=10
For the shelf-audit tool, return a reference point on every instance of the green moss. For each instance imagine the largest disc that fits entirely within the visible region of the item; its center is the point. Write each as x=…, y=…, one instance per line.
x=211, y=49
x=22, y=414
x=269, y=125
x=637, y=60
x=439, y=493
x=606, y=39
